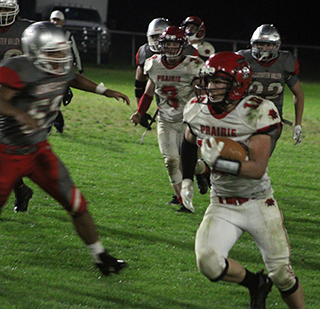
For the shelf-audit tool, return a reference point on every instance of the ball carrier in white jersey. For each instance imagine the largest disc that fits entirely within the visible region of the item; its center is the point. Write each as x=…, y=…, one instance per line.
x=172, y=76
x=241, y=197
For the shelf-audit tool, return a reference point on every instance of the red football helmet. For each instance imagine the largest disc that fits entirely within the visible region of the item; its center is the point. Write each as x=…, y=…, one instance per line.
x=231, y=67
x=194, y=35
x=173, y=34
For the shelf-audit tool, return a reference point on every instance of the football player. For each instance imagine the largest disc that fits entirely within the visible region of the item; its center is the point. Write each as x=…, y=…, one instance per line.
x=32, y=86
x=241, y=197
x=196, y=31
x=155, y=29
x=172, y=76
x=272, y=70
x=11, y=29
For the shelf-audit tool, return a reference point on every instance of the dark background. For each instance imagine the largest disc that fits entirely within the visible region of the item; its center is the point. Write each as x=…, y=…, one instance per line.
x=298, y=23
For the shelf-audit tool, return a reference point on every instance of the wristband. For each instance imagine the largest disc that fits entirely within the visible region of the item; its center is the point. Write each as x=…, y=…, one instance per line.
x=227, y=166
x=100, y=89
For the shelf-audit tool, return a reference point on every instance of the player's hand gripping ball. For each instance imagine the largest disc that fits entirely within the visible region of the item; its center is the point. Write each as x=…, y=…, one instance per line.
x=225, y=147
x=232, y=150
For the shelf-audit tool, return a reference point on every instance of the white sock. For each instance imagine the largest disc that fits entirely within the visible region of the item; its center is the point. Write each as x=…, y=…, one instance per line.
x=95, y=249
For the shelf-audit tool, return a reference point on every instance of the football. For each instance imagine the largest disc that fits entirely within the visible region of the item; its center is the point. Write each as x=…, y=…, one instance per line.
x=232, y=150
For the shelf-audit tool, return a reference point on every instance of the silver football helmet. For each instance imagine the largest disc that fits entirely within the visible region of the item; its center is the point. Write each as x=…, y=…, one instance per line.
x=265, y=34
x=155, y=29
x=9, y=11
x=46, y=46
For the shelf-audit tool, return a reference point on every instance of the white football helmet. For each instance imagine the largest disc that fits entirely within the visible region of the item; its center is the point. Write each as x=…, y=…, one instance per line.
x=200, y=29
x=265, y=34
x=46, y=46
x=11, y=10
x=155, y=29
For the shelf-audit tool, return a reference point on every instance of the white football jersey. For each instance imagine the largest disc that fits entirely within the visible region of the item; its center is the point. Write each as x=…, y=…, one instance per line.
x=173, y=85
x=253, y=115
x=205, y=49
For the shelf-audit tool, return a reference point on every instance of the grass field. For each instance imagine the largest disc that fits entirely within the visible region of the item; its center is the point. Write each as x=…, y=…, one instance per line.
x=43, y=264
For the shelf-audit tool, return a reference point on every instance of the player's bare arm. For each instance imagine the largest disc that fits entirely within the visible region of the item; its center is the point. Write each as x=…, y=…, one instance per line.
x=7, y=109
x=298, y=99
x=144, y=103
x=259, y=152
x=83, y=83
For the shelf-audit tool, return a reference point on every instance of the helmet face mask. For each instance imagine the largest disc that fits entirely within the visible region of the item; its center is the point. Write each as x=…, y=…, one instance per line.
x=45, y=45
x=225, y=78
x=9, y=9
x=155, y=29
x=172, y=42
x=265, y=43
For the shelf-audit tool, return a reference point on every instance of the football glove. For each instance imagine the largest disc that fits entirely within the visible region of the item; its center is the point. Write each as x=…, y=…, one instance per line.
x=145, y=121
x=210, y=150
x=297, y=135
x=187, y=193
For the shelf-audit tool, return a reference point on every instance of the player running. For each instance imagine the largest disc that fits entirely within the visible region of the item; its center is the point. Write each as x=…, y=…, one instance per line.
x=241, y=198
x=11, y=29
x=32, y=86
x=172, y=76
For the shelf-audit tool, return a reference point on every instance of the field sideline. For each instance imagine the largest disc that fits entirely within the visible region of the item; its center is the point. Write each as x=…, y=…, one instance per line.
x=43, y=263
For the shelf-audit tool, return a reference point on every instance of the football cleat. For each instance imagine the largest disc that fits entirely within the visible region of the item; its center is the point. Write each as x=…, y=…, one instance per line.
x=184, y=209
x=202, y=184
x=23, y=195
x=174, y=201
x=109, y=264
x=259, y=295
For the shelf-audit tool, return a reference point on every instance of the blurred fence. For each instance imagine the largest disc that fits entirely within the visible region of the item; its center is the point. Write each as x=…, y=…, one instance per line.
x=125, y=44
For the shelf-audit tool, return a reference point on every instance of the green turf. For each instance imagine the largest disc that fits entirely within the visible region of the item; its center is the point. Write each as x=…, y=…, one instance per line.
x=43, y=264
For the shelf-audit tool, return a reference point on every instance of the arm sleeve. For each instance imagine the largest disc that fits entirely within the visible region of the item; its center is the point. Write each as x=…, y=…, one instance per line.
x=144, y=104
x=10, y=78
x=189, y=157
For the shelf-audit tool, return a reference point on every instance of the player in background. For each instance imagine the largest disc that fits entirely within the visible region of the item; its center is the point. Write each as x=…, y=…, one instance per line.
x=32, y=86
x=241, y=198
x=272, y=70
x=58, y=19
x=196, y=31
x=11, y=29
x=155, y=29
x=172, y=76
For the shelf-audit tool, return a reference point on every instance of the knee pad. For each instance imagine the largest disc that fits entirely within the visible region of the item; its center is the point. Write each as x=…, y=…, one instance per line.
x=283, y=278
x=173, y=169
x=213, y=266
x=78, y=202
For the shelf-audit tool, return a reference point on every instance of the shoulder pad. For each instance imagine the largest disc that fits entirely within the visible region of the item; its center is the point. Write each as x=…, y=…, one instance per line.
x=193, y=108
x=150, y=62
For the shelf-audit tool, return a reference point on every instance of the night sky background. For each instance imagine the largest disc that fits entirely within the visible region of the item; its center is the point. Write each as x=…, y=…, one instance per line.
x=296, y=21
